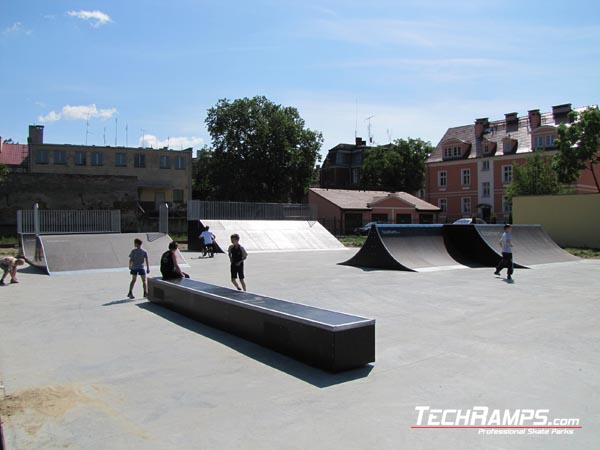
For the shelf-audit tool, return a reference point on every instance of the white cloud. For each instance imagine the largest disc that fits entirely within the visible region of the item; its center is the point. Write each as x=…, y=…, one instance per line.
x=80, y=112
x=52, y=116
x=16, y=28
x=96, y=18
x=84, y=112
x=177, y=143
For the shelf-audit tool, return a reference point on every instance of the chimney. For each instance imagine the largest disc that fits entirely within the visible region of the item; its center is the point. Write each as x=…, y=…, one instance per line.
x=560, y=113
x=480, y=126
x=360, y=142
x=36, y=134
x=535, y=119
x=511, y=117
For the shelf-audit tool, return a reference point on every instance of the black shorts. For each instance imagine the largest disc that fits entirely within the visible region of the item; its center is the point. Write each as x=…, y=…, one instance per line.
x=237, y=271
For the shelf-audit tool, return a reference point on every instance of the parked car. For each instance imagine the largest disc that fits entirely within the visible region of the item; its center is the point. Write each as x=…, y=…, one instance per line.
x=469, y=221
x=364, y=230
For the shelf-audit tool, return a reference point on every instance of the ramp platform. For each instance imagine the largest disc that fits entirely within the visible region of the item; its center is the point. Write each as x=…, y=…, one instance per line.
x=65, y=254
x=415, y=248
x=421, y=248
x=269, y=235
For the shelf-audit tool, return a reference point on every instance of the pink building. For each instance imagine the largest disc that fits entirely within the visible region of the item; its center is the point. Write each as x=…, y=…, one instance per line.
x=14, y=156
x=341, y=210
x=468, y=173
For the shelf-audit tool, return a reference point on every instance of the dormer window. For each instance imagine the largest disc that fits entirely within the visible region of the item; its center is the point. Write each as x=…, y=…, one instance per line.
x=509, y=146
x=550, y=140
x=457, y=151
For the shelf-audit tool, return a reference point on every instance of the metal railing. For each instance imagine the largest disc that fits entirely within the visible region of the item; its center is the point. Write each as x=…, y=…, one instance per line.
x=197, y=210
x=60, y=221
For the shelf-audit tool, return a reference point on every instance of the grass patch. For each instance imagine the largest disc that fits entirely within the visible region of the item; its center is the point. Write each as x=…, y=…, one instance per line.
x=352, y=241
x=8, y=240
x=588, y=253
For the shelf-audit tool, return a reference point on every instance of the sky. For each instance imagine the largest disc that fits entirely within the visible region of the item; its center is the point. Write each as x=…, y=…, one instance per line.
x=135, y=72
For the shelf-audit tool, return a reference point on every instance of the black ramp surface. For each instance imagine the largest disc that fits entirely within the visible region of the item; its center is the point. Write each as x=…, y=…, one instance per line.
x=405, y=247
x=373, y=254
x=531, y=244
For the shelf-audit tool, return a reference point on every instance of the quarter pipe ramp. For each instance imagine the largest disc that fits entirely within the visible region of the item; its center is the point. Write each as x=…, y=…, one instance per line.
x=84, y=253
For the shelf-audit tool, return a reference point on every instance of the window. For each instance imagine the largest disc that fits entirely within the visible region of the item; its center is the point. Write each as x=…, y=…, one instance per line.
x=178, y=195
x=457, y=151
x=139, y=160
x=466, y=177
x=97, y=159
x=448, y=152
x=379, y=218
x=507, y=174
x=41, y=156
x=466, y=205
x=60, y=157
x=506, y=206
x=486, y=149
x=442, y=178
x=121, y=159
x=538, y=142
x=550, y=140
x=80, y=158
x=485, y=166
x=443, y=205
x=180, y=162
x=355, y=177
x=485, y=188
x=507, y=147
x=165, y=162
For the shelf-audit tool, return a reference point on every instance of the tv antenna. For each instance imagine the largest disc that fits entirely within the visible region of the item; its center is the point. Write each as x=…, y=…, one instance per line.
x=87, y=128
x=143, y=137
x=389, y=134
x=368, y=119
x=126, y=135
x=104, y=136
x=116, y=130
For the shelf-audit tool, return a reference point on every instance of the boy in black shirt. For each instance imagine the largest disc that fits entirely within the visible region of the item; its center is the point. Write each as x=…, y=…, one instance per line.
x=237, y=255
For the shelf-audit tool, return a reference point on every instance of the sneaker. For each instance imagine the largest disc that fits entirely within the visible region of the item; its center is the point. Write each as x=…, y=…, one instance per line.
x=509, y=278
x=145, y=295
x=2, y=283
x=496, y=273
x=130, y=295
x=13, y=281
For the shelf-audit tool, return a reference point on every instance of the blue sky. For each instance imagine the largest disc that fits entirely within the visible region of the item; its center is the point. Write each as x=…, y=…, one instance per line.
x=416, y=66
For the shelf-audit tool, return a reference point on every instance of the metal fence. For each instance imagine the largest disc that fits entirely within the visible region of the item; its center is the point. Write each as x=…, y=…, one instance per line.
x=60, y=221
x=197, y=210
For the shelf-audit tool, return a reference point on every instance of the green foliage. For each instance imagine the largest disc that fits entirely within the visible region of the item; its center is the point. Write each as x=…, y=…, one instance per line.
x=202, y=188
x=399, y=166
x=261, y=151
x=535, y=177
x=3, y=172
x=578, y=146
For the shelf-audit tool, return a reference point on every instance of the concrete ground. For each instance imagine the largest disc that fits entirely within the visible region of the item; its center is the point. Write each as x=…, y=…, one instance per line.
x=84, y=368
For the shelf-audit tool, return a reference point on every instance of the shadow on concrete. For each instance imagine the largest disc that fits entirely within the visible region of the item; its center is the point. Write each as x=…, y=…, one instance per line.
x=308, y=374
x=120, y=302
x=32, y=269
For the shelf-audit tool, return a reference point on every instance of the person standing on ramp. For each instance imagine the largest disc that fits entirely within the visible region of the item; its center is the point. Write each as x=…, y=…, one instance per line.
x=137, y=257
x=507, y=256
x=237, y=255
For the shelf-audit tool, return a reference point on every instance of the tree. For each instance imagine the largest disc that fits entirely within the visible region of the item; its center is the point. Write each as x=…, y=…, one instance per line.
x=535, y=177
x=399, y=166
x=578, y=146
x=261, y=151
x=201, y=184
x=3, y=172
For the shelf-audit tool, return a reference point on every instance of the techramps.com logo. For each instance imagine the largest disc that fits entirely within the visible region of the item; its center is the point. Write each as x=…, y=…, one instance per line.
x=496, y=421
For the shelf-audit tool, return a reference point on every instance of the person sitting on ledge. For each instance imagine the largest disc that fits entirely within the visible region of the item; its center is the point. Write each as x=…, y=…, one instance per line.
x=169, y=267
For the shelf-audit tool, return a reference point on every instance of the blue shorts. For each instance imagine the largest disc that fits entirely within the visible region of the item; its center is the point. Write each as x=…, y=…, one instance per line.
x=138, y=272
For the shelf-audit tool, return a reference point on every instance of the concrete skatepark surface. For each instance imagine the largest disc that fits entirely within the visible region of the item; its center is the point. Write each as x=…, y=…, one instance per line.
x=82, y=367
x=274, y=235
x=67, y=254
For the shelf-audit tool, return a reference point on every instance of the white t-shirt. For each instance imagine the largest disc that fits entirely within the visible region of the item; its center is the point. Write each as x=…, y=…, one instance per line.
x=207, y=236
x=506, y=236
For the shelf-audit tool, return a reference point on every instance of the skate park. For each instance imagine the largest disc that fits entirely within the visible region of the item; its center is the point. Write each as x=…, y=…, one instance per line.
x=89, y=367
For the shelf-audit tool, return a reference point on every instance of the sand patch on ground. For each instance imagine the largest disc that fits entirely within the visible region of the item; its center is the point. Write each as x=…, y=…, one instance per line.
x=33, y=408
